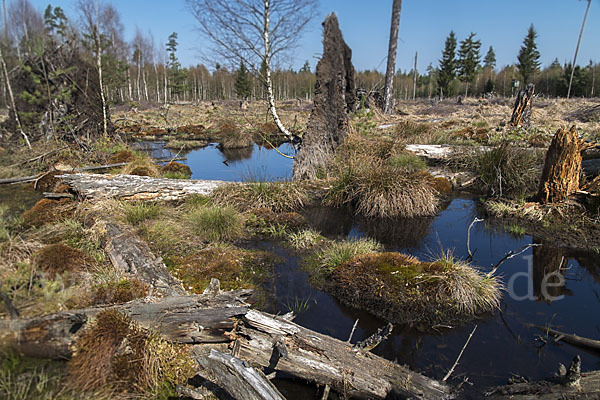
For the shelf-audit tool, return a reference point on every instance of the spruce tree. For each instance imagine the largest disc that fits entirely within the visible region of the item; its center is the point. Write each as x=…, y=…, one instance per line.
x=468, y=60
x=489, y=60
x=242, y=82
x=447, y=70
x=177, y=75
x=529, y=56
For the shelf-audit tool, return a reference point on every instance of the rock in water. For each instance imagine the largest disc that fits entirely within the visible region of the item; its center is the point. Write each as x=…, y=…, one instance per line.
x=334, y=98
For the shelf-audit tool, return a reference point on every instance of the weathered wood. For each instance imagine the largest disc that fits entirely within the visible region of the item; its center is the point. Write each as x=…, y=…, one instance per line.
x=572, y=339
x=132, y=256
x=334, y=97
x=521, y=114
x=568, y=384
x=21, y=179
x=562, y=168
x=133, y=187
x=182, y=319
x=237, y=378
x=272, y=342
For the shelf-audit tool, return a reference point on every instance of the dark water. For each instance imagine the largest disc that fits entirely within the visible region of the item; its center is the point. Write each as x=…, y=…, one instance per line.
x=249, y=163
x=17, y=198
x=504, y=343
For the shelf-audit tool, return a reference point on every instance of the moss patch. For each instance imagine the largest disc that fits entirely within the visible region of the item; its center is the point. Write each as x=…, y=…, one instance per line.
x=119, y=292
x=56, y=259
x=45, y=211
x=176, y=168
x=122, y=156
x=235, y=268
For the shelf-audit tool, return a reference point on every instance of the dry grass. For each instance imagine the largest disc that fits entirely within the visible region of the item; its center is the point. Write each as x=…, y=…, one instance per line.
x=276, y=196
x=117, y=354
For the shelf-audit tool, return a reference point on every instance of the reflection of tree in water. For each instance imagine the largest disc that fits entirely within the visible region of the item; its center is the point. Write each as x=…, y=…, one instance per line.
x=329, y=221
x=549, y=267
x=401, y=232
x=233, y=155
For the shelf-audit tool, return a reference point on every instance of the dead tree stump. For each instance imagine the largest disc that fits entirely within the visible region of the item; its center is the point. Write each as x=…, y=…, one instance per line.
x=522, y=111
x=334, y=97
x=562, y=168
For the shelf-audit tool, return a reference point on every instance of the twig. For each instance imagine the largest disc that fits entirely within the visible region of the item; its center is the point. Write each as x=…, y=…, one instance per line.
x=37, y=180
x=510, y=255
x=470, y=258
x=326, y=392
x=352, y=332
x=375, y=339
x=459, y=355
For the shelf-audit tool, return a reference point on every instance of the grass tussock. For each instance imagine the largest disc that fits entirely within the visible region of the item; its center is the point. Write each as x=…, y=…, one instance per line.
x=120, y=291
x=335, y=254
x=379, y=180
x=402, y=289
x=56, y=259
x=141, y=166
x=118, y=355
x=176, y=170
x=136, y=213
x=46, y=211
x=305, y=239
x=216, y=223
x=266, y=223
x=276, y=196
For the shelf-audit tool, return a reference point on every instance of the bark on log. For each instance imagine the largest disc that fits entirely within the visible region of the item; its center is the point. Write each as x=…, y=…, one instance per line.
x=562, y=168
x=132, y=256
x=133, y=187
x=569, y=384
x=521, y=114
x=182, y=319
x=572, y=339
x=334, y=97
x=240, y=380
x=284, y=346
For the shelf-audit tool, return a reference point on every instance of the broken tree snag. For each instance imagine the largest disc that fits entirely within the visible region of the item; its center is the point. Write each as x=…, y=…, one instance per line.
x=132, y=256
x=237, y=378
x=281, y=345
x=133, y=187
x=182, y=319
x=562, y=168
x=521, y=114
x=334, y=97
x=569, y=383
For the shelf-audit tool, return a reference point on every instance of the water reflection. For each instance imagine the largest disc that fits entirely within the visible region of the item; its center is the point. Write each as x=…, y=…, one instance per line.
x=548, y=273
x=239, y=154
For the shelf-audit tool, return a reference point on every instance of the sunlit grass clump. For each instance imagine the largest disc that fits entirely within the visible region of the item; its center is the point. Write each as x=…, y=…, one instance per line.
x=276, y=196
x=403, y=289
x=216, y=223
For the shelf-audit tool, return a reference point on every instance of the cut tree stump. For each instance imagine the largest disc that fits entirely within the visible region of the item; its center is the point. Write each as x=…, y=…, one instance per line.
x=562, y=168
x=133, y=187
x=521, y=115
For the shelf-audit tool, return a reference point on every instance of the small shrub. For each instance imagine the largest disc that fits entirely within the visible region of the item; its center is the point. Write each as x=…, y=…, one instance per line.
x=136, y=213
x=216, y=223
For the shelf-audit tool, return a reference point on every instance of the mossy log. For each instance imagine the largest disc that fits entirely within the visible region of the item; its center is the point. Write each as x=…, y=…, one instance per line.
x=132, y=256
x=521, y=114
x=133, y=187
x=567, y=384
x=562, y=168
x=278, y=344
x=182, y=319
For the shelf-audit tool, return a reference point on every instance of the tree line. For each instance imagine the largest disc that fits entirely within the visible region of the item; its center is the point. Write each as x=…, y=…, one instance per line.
x=146, y=69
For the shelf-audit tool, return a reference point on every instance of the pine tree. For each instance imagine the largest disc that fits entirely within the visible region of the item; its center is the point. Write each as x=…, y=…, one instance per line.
x=468, y=60
x=242, y=83
x=447, y=70
x=529, y=56
x=489, y=60
x=305, y=67
x=177, y=75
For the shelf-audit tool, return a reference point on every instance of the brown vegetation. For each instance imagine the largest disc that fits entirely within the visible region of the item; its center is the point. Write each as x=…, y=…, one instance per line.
x=45, y=211
x=122, y=156
x=119, y=291
x=55, y=259
x=176, y=168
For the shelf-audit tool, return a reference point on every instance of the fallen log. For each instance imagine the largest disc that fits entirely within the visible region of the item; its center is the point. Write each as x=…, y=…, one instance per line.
x=572, y=339
x=133, y=187
x=132, y=256
x=567, y=384
x=275, y=343
x=182, y=319
x=237, y=378
x=21, y=179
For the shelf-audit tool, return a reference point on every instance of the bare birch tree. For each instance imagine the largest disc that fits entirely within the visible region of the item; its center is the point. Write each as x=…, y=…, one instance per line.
x=254, y=31
x=391, y=57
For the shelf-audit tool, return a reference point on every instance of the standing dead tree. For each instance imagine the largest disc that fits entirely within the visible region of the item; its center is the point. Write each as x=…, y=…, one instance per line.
x=391, y=57
x=254, y=31
x=577, y=48
x=562, y=168
x=521, y=114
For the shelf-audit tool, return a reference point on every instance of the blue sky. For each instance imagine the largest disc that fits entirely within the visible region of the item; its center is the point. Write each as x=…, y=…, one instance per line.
x=424, y=25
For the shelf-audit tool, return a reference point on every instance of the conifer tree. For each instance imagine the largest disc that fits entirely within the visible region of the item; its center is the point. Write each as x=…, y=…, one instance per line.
x=489, y=60
x=447, y=70
x=176, y=74
x=468, y=60
x=242, y=83
x=529, y=56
